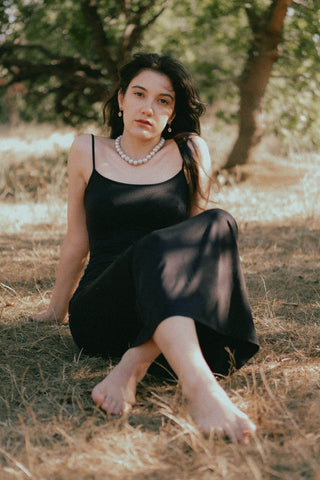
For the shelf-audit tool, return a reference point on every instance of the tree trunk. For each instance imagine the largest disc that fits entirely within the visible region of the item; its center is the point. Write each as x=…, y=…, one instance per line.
x=265, y=49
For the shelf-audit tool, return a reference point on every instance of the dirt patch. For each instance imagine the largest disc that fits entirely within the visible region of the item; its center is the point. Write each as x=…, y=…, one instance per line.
x=50, y=428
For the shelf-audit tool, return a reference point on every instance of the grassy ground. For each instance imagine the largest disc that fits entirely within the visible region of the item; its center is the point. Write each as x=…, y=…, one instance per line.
x=50, y=428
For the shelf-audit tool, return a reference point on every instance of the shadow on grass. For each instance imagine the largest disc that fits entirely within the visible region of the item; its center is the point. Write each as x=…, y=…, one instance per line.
x=281, y=265
x=46, y=383
x=44, y=376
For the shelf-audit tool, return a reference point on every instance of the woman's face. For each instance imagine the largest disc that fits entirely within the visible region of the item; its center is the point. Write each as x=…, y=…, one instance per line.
x=147, y=105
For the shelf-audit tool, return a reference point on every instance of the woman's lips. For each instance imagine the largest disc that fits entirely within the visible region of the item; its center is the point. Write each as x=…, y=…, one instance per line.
x=144, y=123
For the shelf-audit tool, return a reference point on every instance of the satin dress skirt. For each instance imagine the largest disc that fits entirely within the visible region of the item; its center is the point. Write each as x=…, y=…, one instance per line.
x=191, y=269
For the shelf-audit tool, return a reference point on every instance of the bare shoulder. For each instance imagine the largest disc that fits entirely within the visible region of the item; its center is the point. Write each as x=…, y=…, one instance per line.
x=202, y=153
x=80, y=156
x=104, y=141
x=81, y=145
x=200, y=144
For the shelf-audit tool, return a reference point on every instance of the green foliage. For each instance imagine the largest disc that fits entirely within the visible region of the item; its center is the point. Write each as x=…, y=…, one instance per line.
x=293, y=97
x=211, y=43
x=69, y=51
x=211, y=37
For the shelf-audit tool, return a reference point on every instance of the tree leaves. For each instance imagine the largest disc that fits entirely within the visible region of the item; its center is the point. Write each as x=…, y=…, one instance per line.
x=72, y=48
x=67, y=53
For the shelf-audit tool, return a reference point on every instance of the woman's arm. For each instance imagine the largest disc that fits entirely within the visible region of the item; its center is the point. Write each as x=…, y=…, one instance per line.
x=74, y=250
x=200, y=203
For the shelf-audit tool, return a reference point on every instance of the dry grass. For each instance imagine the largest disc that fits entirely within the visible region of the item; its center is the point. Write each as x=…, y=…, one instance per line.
x=49, y=426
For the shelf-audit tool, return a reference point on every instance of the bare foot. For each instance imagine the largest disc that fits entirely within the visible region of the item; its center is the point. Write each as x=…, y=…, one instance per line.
x=213, y=411
x=117, y=392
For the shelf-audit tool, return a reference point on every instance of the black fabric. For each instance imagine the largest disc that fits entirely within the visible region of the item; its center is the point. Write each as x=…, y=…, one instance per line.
x=119, y=214
x=148, y=262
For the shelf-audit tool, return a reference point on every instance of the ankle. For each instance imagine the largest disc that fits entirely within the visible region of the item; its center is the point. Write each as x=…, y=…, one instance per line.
x=196, y=384
x=133, y=363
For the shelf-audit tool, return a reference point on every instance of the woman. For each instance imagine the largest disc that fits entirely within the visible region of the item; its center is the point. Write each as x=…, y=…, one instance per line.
x=164, y=275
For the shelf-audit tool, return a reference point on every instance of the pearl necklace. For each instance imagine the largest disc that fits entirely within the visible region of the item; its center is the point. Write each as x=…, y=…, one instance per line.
x=141, y=161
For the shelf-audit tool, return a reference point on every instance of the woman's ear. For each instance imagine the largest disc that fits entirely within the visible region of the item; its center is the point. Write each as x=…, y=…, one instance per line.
x=171, y=118
x=120, y=99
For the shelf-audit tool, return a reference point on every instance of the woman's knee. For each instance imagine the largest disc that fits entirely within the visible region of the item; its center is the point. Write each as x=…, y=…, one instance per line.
x=222, y=217
x=150, y=244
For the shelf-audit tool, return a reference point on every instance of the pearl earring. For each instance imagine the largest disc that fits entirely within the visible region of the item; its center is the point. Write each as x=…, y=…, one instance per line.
x=169, y=129
x=120, y=114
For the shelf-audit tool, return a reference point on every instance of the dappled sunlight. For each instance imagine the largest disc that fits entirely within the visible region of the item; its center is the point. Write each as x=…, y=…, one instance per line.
x=18, y=146
x=33, y=168
x=52, y=429
x=15, y=217
x=287, y=193
x=34, y=140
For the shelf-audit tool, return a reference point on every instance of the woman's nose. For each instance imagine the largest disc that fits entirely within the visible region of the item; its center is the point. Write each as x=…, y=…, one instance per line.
x=147, y=108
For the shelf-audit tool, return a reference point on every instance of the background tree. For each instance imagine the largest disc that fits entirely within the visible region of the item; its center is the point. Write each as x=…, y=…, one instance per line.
x=69, y=51
x=266, y=28
x=66, y=53
x=264, y=53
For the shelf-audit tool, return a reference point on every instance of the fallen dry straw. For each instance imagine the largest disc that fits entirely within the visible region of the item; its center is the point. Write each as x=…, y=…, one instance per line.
x=50, y=428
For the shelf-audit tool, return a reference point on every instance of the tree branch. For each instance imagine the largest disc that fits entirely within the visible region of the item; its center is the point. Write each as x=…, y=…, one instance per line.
x=100, y=41
x=135, y=28
x=74, y=79
x=277, y=13
x=154, y=18
x=303, y=4
x=65, y=61
x=263, y=52
x=9, y=47
x=253, y=18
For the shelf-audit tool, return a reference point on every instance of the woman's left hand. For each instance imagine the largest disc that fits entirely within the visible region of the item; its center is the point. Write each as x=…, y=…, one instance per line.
x=50, y=315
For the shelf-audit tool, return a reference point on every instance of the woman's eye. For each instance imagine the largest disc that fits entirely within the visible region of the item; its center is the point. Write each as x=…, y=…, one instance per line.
x=164, y=101
x=138, y=94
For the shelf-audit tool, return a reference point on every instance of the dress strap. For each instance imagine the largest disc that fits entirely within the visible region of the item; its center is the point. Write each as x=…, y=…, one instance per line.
x=93, y=157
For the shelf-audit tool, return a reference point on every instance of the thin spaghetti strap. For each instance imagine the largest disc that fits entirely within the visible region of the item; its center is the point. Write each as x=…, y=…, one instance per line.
x=93, y=158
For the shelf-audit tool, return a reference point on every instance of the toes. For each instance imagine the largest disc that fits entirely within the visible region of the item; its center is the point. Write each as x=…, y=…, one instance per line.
x=108, y=405
x=111, y=405
x=127, y=408
x=115, y=407
x=97, y=396
x=239, y=430
x=230, y=434
x=103, y=400
x=246, y=429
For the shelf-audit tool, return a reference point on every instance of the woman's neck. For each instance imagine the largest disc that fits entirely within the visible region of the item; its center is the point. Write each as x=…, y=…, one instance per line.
x=137, y=147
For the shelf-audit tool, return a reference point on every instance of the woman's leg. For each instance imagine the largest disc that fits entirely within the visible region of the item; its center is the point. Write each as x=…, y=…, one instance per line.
x=116, y=393
x=209, y=405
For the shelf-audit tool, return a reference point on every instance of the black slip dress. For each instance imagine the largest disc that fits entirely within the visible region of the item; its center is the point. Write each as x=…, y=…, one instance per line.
x=149, y=261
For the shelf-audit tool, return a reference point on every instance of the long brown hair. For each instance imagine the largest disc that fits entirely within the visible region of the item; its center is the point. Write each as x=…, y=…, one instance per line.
x=188, y=109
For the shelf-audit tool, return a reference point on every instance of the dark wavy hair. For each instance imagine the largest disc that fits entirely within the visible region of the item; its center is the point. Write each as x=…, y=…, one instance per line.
x=188, y=108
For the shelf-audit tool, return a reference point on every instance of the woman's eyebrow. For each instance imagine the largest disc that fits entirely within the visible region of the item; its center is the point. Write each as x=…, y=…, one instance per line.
x=161, y=94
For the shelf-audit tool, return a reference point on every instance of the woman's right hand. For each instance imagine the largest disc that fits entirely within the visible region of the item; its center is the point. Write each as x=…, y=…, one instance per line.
x=50, y=315
x=75, y=248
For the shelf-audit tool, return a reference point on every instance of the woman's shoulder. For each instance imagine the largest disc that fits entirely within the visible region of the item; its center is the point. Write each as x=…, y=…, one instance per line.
x=198, y=141
x=80, y=159
x=200, y=146
x=85, y=152
x=85, y=141
x=82, y=143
